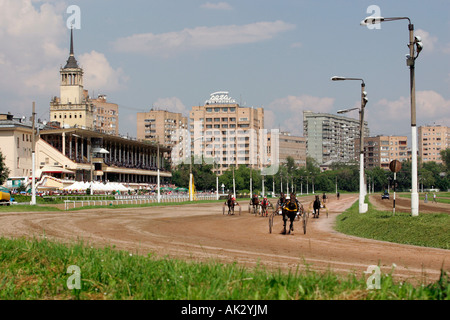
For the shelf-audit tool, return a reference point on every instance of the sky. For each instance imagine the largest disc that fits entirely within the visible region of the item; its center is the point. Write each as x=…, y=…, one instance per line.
x=279, y=55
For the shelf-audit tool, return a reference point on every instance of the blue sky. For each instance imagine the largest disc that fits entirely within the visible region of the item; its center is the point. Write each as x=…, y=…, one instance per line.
x=171, y=54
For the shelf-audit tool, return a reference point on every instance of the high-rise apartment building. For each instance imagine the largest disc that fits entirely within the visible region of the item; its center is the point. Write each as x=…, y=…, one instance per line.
x=227, y=132
x=379, y=151
x=433, y=139
x=330, y=138
x=160, y=126
x=106, y=115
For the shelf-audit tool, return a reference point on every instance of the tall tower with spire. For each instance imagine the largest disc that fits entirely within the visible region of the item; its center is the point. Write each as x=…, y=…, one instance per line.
x=73, y=106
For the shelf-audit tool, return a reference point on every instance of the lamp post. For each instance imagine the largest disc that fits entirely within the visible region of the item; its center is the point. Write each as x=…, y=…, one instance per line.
x=415, y=44
x=191, y=188
x=362, y=206
x=33, y=157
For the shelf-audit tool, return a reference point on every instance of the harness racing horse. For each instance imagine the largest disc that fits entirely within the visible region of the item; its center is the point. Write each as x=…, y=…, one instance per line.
x=264, y=205
x=230, y=203
x=290, y=209
x=254, y=202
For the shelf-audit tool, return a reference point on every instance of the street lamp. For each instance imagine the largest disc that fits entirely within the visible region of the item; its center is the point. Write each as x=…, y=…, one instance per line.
x=415, y=45
x=362, y=206
x=191, y=176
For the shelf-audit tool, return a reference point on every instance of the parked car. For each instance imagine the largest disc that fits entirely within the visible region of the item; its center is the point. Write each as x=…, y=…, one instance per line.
x=385, y=196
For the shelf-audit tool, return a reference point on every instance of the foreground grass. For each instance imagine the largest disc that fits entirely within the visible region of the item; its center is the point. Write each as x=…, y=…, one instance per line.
x=428, y=230
x=37, y=269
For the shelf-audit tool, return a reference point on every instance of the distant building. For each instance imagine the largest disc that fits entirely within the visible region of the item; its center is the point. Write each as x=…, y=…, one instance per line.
x=379, y=151
x=289, y=146
x=330, y=138
x=106, y=115
x=431, y=140
x=72, y=107
x=70, y=154
x=15, y=144
x=227, y=132
x=159, y=126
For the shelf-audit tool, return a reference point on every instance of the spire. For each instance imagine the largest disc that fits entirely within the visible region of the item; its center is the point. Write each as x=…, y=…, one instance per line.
x=71, y=62
x=71, y=41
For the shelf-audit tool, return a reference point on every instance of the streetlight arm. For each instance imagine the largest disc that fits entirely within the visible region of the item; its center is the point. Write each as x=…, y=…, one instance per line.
x=347, y=110
x=336, y=78
x=375, y=20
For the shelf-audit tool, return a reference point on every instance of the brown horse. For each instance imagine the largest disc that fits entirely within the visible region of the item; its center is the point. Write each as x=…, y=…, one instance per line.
x=230, y=203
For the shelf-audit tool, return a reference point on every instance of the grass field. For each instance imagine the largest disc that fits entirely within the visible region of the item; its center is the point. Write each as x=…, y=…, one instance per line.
x=428, y=230
x=441, y=197
x=37, y=269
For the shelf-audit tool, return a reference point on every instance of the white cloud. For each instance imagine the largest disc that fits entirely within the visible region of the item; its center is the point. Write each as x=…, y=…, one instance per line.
x=394, y=117
x=31, y=36
x=35, y=44
x=217, y=6
x=429, y=41
x=200, y=38
x=287, y=113
x=173, y=104
x=98, y=73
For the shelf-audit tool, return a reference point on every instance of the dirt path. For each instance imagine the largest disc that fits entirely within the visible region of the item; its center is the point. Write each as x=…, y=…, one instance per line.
x=201, y=232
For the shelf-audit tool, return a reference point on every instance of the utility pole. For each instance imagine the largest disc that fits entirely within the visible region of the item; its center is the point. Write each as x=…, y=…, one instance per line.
x=33, y=160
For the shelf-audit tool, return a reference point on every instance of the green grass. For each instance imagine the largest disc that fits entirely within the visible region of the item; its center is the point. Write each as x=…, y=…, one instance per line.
x=143, y=205
x=37, y=269
x=441, y=197
x=27, y=208
x=428, y=230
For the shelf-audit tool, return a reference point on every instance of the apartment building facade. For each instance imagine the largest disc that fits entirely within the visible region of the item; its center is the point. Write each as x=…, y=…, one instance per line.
x=106, y=115
x=431, y=140
x=226, y=132
x=379, y=151
x=160, y=126
x=331, y=138
x=289, y=146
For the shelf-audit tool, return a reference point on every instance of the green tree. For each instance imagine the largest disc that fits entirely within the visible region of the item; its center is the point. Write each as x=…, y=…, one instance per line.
x=445, y=155
x=4, y=170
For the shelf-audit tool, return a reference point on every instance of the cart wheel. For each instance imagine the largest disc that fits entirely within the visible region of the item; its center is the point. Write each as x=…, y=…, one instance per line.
x=239, y=210
x=270, y=223
x=304, y=222
x=223, y=210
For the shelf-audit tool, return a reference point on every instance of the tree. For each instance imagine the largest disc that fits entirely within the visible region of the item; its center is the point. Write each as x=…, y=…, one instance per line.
x=4, y=170
x=445, y=155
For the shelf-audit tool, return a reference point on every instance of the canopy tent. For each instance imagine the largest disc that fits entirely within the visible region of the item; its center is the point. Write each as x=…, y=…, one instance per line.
x=96, y=186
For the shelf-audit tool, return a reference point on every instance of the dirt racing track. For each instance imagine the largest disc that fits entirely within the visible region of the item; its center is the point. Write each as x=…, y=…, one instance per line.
x=201, y=232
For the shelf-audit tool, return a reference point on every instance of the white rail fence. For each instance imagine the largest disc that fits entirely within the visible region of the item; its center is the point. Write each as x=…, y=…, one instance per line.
x=133, y=199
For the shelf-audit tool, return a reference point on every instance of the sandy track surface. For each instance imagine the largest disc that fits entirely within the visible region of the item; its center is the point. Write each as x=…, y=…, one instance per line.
x=201, y=232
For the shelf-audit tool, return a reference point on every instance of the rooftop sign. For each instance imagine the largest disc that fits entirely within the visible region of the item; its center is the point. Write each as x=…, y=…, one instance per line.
x=220, y=97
